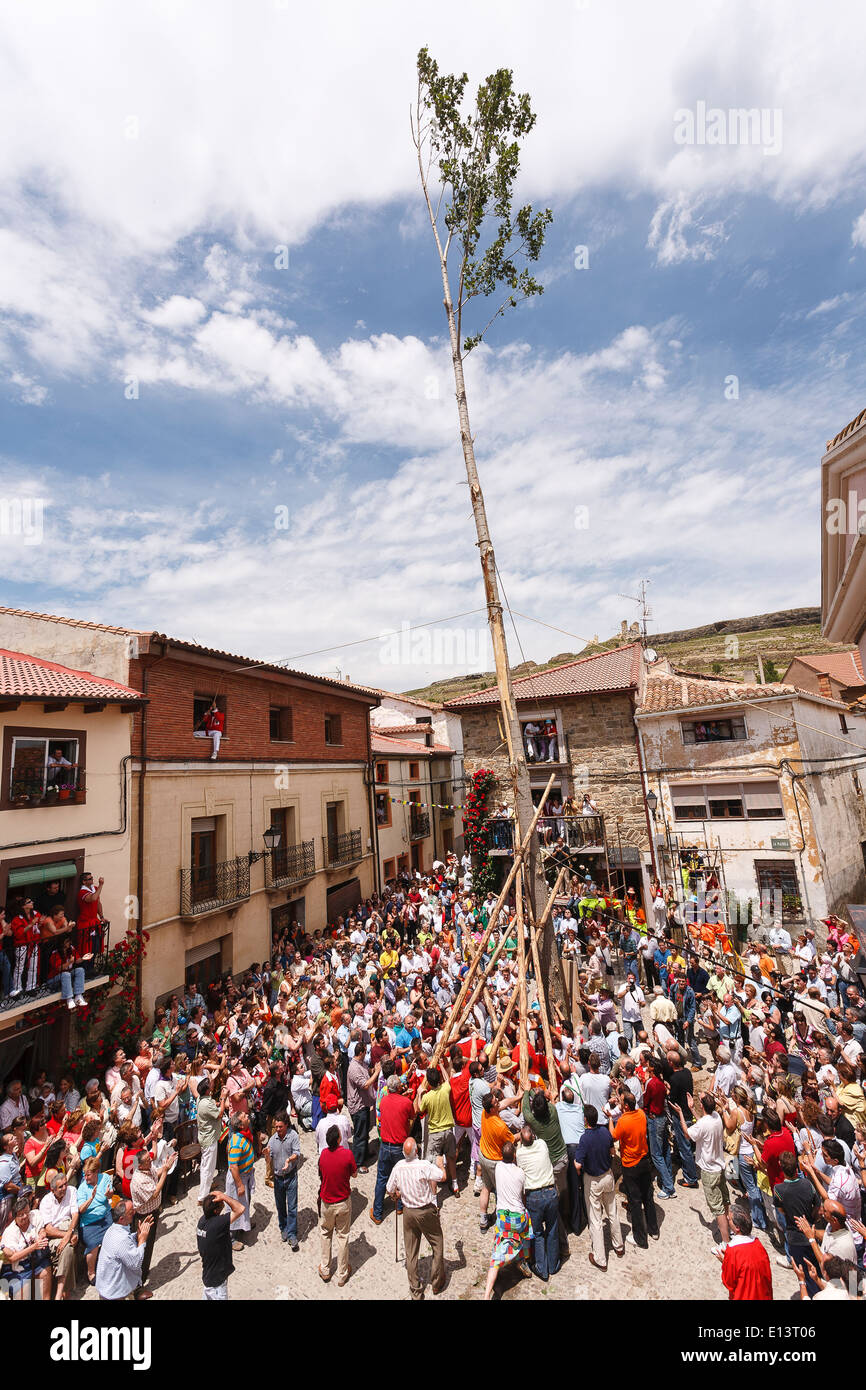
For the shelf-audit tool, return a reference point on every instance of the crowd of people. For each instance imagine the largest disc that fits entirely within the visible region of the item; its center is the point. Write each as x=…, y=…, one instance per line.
x=679, y=1067
x=41, y=949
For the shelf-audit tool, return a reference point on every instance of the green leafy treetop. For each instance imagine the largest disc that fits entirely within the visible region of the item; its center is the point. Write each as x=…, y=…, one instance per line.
x=478, y=158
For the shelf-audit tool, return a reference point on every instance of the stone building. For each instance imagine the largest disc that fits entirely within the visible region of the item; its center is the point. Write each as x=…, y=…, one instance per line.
x=578, y=723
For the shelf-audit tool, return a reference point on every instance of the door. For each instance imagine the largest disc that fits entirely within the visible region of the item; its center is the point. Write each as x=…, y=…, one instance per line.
x=203, y=865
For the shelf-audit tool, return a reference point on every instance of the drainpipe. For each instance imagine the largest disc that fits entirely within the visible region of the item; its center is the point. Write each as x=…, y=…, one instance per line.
x=371, y=803
x=139, y=849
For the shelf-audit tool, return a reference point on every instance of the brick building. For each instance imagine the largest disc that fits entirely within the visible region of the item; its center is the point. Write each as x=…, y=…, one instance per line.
x=578, y=722
x=295, y=756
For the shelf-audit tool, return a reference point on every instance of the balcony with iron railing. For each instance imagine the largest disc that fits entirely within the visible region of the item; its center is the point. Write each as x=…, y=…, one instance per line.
x=290, y=864
x=46, y=786
x=577, y=832
x=342, y=849
x=29, y=974
x=419, y=823
x=209, y=887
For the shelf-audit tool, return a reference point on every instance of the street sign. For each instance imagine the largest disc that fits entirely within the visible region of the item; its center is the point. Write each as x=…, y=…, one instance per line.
x=780, y=842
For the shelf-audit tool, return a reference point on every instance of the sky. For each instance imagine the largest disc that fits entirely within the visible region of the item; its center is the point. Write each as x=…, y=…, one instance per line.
x=226, y=403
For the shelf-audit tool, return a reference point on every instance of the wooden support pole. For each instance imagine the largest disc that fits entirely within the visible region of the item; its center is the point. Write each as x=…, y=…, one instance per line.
x=459, y=1003
x=521, y=990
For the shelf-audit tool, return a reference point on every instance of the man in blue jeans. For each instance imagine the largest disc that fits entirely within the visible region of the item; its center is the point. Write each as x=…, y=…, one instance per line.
x=542, y=1202
x=396, y=1117
x=285, y=1150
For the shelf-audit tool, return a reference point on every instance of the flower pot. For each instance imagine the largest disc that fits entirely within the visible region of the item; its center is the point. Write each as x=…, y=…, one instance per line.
x=65, y=793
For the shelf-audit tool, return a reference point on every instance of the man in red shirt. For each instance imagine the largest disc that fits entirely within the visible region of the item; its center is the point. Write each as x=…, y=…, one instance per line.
x=396, y=1118
x=746, y=1271
x=214, y=724
x=25, y=940
x=88, y=913
x=461, y=1104
x=337, y=1167
x=778, y=1141
x=658, y=1130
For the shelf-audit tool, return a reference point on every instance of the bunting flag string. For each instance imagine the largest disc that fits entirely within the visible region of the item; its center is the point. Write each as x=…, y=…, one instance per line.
x=436, y=805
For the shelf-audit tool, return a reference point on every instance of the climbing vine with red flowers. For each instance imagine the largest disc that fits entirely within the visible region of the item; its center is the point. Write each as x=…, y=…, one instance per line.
x=476, y=829
x=124, y=1023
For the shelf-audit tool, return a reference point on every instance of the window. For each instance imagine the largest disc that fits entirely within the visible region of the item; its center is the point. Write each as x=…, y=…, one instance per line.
x=763, y=801
x=777, y=880
x=200, y=706
x=389, y=870
x=203, y=859
x=333, y=728
x=713, y=730
x=42, y=768
x=540, y=738
x=281, y=724
x=381, y=772
x=728, y=801
x=383, y=810
x=414, y=772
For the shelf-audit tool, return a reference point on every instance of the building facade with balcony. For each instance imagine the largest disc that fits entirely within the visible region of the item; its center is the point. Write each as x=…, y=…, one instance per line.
x=403, y=796
x=425, y=721
x=294, y=756
x=65, y=808
x=577, y=722
x=758, y=785
x=843, y=537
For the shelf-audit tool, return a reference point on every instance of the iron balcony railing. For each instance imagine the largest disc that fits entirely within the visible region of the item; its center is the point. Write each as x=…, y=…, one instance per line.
x=578, y=832
x=290, y=864
x=30, y=972
x=211, y=886
x=46, y=786
x=419, y=824
x=342, y=849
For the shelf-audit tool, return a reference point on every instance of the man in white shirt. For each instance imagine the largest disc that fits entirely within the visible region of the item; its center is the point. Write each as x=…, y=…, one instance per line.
x=343, y=1122
x=633, y=1000
x=707, y=1134
x=413, y=1182
x=15, y=1106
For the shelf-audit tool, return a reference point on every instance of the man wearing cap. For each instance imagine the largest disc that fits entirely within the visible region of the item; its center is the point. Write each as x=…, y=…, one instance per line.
x=396, y=1117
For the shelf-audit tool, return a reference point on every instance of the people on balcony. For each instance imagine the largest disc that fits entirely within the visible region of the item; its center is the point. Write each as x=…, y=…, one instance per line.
x=66, y=971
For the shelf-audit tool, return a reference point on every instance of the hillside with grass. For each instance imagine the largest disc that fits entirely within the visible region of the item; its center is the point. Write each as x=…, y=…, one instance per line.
x=729, y=648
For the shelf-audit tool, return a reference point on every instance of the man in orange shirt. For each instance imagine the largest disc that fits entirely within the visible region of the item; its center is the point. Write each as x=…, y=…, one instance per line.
x=630, y=1133
x=494, y=1133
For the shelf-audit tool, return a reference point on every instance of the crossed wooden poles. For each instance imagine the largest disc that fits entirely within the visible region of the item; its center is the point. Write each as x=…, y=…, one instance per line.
x=478, y=976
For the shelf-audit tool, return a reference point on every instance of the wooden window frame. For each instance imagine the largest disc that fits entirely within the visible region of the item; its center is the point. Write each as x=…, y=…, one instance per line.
x=338, y=741
x=10, y=733
x=287, y=723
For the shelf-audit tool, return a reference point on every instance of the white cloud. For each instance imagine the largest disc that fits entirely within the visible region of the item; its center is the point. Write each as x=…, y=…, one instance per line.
x=858, y=231
x=180, y=311
x=678, y=234
x=29, y=392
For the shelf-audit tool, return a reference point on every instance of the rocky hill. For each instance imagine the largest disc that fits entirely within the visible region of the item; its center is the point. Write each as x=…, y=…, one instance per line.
x=730, y=647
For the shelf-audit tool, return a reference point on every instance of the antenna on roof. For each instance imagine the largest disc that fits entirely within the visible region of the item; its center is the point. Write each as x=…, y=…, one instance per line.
x=645, y=611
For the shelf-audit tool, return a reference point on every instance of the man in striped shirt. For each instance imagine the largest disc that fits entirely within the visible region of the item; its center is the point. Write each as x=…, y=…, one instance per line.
x=413, y=1181
x=241, y=1178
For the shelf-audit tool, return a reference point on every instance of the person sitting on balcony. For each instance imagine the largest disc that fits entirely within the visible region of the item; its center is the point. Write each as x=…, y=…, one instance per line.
x=214, y=723
x=66, y=970
x=56, y=762
x=25, y=940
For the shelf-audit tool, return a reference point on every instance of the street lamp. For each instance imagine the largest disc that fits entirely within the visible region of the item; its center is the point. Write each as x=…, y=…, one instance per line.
x=652, y=802
x=271, y=837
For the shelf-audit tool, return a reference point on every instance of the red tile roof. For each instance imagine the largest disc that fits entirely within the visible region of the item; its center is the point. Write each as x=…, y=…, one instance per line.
x=30, y=678
x=665, y=693
x=72, y=622
x=400, y=747
x=247, y=661
x=849, y=429
x=610, y=671
x=844, y=667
